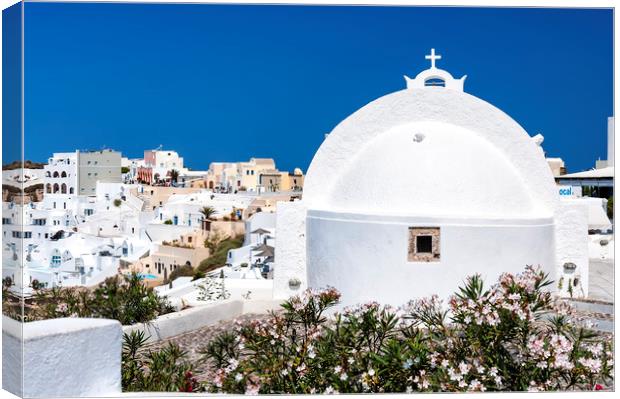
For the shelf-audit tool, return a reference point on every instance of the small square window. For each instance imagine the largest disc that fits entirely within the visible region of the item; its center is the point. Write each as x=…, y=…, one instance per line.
x=423, y=244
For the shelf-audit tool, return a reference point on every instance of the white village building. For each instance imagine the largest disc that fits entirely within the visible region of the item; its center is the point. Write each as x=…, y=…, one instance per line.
x=70, y=239
x=493, y=208
x=184, y=209
x=258, y=250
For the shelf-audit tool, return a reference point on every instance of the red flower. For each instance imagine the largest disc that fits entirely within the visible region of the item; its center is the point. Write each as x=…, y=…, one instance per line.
x=191, y=384
x=598, y=387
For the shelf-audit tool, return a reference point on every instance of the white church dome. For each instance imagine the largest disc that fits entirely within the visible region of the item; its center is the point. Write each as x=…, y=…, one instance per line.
x=419, y=189
x=430, y=150
x=435, y=168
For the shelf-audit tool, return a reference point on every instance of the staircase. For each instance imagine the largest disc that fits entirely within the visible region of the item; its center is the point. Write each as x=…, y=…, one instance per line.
x=146, y=202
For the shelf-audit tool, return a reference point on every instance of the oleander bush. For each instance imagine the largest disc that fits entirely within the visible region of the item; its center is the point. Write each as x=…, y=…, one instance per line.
x=513, y=336
x=154, y=370
x=124, y=298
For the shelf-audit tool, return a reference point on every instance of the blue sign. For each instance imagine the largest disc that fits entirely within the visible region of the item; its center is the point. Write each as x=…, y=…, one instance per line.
x=569, y=191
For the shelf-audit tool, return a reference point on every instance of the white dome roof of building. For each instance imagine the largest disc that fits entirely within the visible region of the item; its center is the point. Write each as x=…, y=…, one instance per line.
x=431, y=151
x=431, y=168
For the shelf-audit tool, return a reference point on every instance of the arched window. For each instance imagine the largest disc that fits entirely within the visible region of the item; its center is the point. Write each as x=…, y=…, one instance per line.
x=435, y=82
x=56, y=188
x=71, y=190
x=63, y=188
x=63, y=174
x=56, y=174
x=49, y=188
x=48, y=174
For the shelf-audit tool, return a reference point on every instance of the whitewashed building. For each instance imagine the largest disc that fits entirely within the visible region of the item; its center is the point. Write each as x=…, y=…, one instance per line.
x=384, y=218
x=184, y=209
x=258, y=245
x=157, y=165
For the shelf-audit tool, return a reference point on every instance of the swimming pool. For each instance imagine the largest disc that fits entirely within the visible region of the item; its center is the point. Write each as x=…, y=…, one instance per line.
x=147, y=276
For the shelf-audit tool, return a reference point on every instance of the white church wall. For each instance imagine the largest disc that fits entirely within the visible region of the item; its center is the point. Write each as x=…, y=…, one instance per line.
x=379, y=271
x=63, y=357
x=290, y=250
x=571, y=241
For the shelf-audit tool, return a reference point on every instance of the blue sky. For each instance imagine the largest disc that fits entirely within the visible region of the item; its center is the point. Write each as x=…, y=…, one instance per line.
x=224, y=83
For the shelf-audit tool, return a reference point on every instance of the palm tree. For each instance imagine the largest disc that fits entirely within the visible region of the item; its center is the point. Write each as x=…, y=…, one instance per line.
x=208, y=212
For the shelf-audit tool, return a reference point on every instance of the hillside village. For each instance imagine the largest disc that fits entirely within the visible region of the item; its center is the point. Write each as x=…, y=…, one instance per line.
x=85, y=216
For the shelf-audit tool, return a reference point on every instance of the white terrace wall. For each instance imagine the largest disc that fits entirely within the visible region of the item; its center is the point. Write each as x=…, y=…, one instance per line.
x=571, y=246
x=62, y=357
x=176, y=323
x=74, y=357
x=172, y=324
x=290, y=250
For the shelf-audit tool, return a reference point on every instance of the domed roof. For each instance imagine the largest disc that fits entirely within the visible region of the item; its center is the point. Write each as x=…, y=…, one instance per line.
x=434, y=168
x=431, y=151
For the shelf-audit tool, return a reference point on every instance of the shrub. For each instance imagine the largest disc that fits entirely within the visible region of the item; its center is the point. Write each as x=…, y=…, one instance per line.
x=167, y=221
x=177, y=244
x=182, y=271
x=511, y=337
x=154, y=371
x=214, y=239
x=117, y=202
x=198, y=275
x=219, y=256
x=36, y=284
x=123, y=298
x=7, y=282
x=124, y=169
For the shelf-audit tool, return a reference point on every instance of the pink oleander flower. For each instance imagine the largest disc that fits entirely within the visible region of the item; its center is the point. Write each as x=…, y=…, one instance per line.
x=330, y=391
x=61, y=308
x=252, y=389
x=593, y=365
x=464, y=368
x=475, y=385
